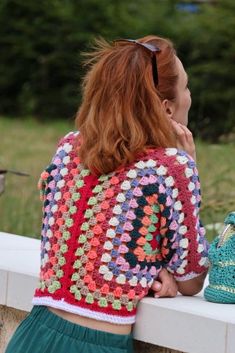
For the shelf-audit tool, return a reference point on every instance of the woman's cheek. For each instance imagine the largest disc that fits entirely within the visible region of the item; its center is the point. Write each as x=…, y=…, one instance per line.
x=189, y=99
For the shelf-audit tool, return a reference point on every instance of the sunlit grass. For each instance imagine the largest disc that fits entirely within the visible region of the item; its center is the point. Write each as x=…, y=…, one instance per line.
x=217, y=173
x=27, y=146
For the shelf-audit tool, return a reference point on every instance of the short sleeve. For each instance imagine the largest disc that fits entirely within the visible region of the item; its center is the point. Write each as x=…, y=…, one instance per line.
x=47, y=174
x=184, y=245
x=42, y=182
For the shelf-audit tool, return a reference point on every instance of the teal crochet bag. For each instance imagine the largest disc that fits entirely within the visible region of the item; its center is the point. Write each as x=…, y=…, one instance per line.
x=221, y=287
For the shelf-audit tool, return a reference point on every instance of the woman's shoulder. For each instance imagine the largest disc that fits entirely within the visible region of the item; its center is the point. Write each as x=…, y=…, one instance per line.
x=161, y=165
x=69, y=138
x=167, y=156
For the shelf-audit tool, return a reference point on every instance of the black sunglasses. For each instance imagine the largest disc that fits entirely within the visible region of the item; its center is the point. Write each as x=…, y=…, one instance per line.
x=150, y=48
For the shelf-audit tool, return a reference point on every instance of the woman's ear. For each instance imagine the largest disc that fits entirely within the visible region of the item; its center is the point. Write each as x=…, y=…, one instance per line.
x=168, y=108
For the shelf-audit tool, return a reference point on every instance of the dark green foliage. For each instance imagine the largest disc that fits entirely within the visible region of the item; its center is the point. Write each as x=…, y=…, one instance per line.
x=41, y=44
x=206, y=44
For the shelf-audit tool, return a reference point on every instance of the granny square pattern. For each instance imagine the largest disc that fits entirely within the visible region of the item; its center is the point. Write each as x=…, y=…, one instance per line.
x=105, y=238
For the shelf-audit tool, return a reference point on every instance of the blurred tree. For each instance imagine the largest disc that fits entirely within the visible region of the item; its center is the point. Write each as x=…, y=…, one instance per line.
x=38, y=65
x=206, y=43
x=41, y=44
x=40, y=62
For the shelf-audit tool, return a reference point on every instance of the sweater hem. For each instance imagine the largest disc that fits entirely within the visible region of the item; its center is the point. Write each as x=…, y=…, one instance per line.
x=189, y=276
x=61, y=304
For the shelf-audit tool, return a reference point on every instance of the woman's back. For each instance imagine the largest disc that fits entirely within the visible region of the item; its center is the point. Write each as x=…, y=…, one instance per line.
x=105, y=238
x=120, y=204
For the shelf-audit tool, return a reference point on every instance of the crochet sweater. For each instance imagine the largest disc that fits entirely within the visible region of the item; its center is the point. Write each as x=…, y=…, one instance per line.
x=105, y=238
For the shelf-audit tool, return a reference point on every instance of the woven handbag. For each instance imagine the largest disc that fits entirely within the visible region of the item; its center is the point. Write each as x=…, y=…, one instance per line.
x=221, y=288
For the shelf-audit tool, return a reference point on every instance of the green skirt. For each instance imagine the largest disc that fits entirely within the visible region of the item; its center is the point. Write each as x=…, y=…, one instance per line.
x=44, y=332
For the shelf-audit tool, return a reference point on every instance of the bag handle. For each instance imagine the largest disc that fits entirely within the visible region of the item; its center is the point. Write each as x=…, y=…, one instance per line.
x=229, y=229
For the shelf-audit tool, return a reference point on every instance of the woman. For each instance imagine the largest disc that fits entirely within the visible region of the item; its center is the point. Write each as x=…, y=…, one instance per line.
x=121, y=204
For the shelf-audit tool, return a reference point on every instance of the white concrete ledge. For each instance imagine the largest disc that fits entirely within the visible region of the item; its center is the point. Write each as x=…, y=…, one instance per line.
x=188, y=324
x=19, y=268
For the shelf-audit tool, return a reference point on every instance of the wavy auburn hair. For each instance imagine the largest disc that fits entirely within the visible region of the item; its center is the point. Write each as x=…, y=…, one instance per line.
x=121, y=114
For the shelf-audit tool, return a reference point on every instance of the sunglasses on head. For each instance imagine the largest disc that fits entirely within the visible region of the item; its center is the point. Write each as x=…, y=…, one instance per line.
x=151, y=49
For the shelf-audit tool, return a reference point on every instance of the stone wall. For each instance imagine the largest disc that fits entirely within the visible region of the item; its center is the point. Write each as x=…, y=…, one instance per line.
x=10, y=319
x=142, y=347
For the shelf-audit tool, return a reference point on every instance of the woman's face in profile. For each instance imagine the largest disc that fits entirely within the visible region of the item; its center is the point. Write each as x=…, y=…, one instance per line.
x=183, y=97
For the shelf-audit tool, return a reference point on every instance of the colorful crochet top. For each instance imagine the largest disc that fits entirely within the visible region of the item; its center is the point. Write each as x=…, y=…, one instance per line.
x=105, y=239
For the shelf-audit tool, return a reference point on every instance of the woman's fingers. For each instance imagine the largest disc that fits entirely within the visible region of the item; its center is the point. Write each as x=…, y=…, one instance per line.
x=180, y=132
x=156, y=286
x=188, y=133
x=190, y=145
x=184, y=138
x=169, y=290
x=166, y=286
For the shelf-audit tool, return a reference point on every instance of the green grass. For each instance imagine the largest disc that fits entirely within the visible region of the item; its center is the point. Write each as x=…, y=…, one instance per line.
x=27, y=145
x=217, y=174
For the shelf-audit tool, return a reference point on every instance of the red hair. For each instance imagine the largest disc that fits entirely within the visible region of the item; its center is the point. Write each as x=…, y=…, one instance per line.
x=121, y=114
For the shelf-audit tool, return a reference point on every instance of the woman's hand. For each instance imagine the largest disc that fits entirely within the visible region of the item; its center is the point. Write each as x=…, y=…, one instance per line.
x=185, y=139
x=166, y=286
